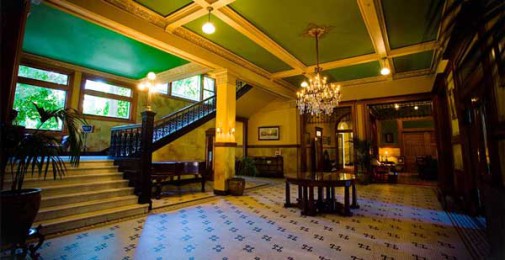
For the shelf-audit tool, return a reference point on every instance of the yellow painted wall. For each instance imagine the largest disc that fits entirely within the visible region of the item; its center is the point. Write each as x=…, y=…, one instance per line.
x=277, y=113
x=191, y=146
x=285, y=115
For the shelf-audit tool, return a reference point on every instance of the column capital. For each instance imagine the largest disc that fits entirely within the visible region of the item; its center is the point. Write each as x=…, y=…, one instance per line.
x=223, y=76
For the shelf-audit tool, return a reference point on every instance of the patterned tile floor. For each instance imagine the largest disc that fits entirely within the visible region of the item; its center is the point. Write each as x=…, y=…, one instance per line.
x=393, y=222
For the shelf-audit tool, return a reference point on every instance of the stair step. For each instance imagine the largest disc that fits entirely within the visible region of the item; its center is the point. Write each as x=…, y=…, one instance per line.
x=51, y=201
x=77, y=179
x=66, y=189
x=83, y=207
x=70, y=171
x=90, y=218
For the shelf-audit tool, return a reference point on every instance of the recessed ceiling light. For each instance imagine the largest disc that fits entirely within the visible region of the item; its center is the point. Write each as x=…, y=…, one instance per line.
x=416, y=107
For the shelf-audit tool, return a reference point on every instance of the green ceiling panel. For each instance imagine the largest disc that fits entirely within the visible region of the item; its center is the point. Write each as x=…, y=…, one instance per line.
x=285, y=20
x=237, y=43
x=166, y=7
x=57, y=35
x=364, y=70
x=358, y=71
x=415, y=61
x=295, y=80
x=411, y=22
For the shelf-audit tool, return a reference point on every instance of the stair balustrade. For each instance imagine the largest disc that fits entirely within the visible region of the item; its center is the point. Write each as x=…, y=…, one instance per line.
x=137, y=142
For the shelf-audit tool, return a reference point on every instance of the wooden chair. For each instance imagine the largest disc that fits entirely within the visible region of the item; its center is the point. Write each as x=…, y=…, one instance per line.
x=380, y=173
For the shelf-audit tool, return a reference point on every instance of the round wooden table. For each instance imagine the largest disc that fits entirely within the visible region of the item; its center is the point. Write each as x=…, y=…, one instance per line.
x=326, y=199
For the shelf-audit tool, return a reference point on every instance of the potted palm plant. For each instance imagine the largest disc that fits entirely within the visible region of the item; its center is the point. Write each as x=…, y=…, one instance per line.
x=30, y=153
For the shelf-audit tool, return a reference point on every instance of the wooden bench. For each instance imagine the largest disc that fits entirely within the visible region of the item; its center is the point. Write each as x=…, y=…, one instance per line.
x=171, y=172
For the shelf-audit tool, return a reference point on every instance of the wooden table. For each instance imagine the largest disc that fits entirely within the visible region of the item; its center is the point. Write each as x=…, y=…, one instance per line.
x=326, y=200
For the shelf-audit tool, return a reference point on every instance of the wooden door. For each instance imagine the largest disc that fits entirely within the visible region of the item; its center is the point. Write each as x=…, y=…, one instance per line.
x=417, y=144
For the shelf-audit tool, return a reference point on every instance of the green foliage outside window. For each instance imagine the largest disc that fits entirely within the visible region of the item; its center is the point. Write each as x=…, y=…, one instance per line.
x=44, y=75
x=187, y=88
x=49, y=99
x=100, y=106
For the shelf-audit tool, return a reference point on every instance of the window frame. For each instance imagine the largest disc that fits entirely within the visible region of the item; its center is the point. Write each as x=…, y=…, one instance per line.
x=132, y=99
x=45, y=84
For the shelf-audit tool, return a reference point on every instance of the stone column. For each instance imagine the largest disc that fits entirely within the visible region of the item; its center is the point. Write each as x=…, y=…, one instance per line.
x=224, y=148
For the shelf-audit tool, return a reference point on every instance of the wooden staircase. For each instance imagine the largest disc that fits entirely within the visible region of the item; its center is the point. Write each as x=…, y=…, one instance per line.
x=93, y=193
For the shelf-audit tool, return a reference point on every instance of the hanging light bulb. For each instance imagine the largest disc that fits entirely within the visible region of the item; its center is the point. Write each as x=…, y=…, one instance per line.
x=209, y=27
x=385, y=70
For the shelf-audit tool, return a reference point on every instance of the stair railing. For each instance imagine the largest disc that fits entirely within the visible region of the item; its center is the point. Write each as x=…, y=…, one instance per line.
x=137, y=141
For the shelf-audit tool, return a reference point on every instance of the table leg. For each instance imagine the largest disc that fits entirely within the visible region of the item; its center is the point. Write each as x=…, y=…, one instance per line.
x=312, y=210
x=288, y=196
x=354, y=204
x=332, y=198
x=347, y=211
x=304, y=200
x=320, y=201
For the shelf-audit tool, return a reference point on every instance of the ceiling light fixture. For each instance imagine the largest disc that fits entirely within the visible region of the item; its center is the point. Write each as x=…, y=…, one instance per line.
x=209, y=27
x=385, y=70
x=317, y=96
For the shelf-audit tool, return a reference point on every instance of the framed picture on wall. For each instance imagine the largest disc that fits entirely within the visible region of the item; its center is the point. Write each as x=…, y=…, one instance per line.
x=268, y=133
x=388, y=137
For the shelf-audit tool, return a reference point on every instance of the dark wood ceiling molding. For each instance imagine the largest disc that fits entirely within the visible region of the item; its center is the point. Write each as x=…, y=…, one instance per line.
x=139, y=11
x=403, y=98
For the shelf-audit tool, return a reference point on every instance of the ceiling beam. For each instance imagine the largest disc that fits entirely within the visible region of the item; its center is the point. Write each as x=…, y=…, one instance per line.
x=181, y=72
x=243, y=26
x=120, y=21
x=183, y=16
x=192, y=12
x=375, y=31
x=330, y=65
x=416, y=48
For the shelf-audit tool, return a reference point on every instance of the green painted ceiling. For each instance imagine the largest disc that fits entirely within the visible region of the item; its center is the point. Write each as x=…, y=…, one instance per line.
x=285, y=20
x=358, y=71
x=57, y=35
x=415, y=61
x=166, y=7
x=411, y=22
x=239, y=44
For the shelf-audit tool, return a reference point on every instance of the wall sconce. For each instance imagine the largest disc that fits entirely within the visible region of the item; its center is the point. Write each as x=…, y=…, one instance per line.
x=220, y=132
x=149, y=86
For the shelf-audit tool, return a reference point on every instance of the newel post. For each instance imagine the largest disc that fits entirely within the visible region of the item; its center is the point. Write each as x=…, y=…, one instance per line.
x=146, y=151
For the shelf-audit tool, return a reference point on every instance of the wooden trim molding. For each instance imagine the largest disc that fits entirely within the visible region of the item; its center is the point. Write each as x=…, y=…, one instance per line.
x=225, y=144
x=274, y=146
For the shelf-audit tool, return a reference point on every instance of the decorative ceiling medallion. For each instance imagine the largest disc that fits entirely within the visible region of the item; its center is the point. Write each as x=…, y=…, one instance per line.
x=320, y=30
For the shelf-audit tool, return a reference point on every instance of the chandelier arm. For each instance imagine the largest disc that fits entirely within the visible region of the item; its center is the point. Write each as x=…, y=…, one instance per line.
x=317, y=51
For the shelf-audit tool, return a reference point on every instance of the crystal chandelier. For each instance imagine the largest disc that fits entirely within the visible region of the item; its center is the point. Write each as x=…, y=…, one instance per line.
x=317, y=96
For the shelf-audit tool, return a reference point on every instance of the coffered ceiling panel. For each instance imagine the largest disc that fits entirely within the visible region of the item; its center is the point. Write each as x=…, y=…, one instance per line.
x=166, y=7
x=58, y=35
x=412, y=62
x=232, y=40
x=284, y=21
x=365, y=70
x=411, y=22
